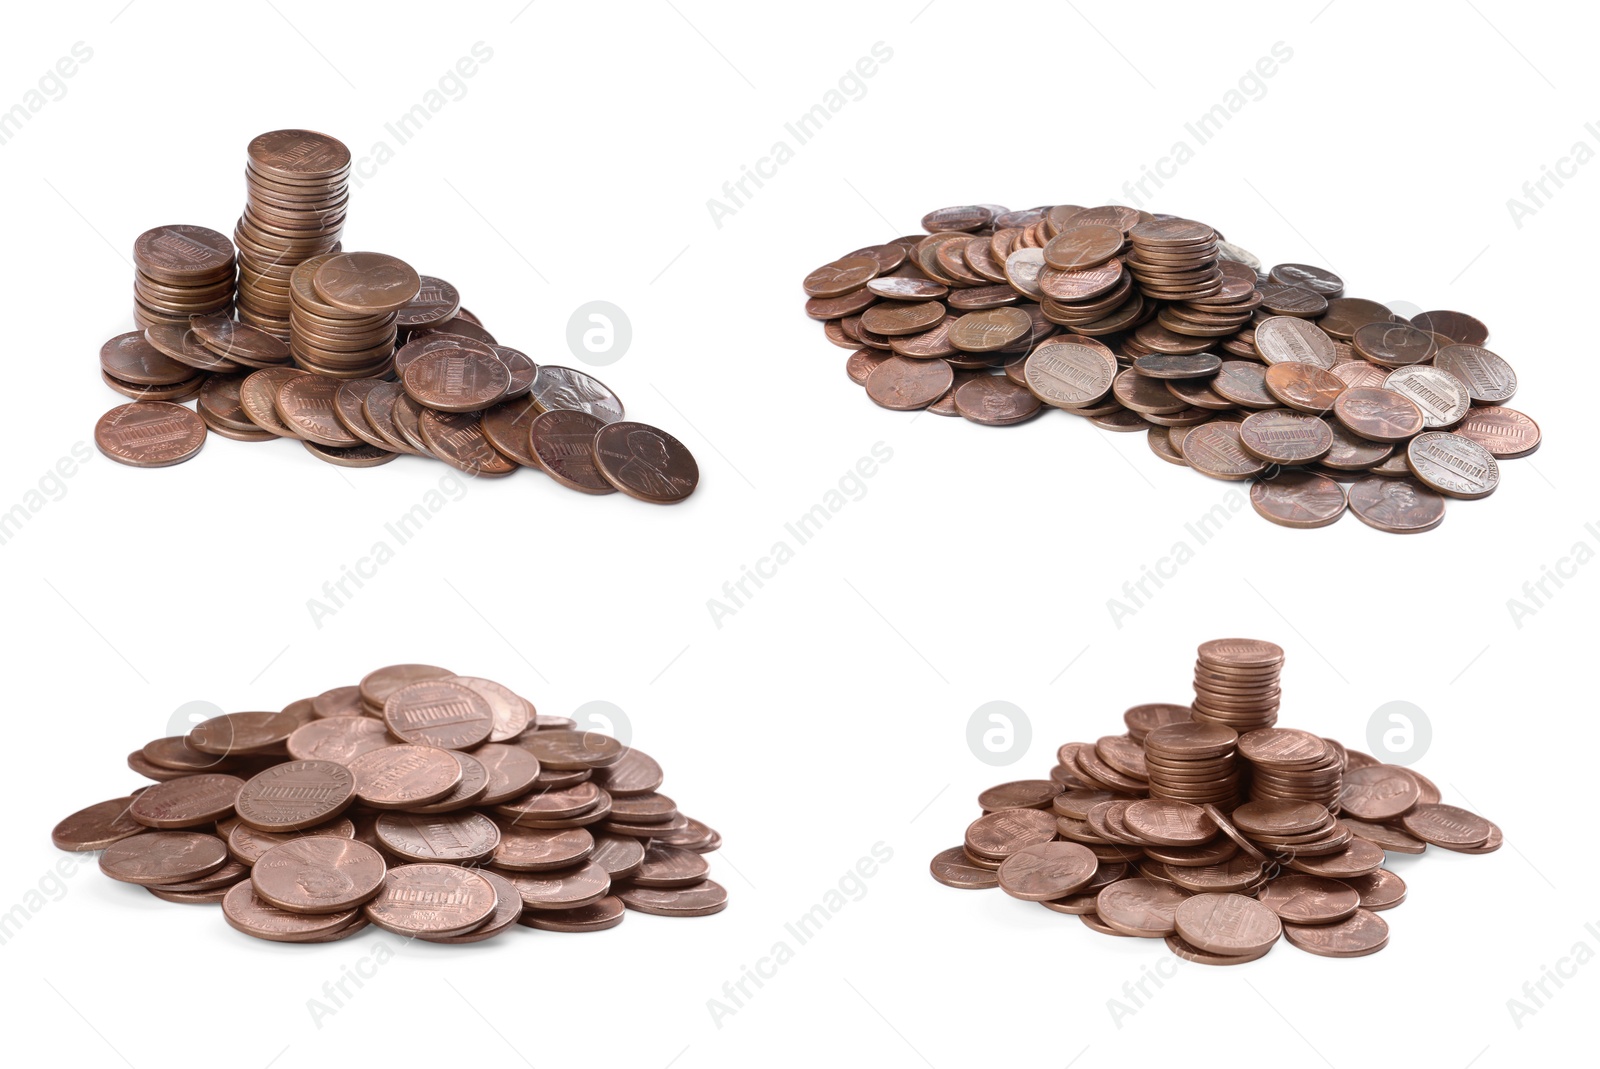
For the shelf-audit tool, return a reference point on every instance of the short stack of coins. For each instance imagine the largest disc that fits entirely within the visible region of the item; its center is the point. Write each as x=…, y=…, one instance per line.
x=297, y=193
x=1153, y=323
x=1195, y=762
x=1220, y=882
x=1236, y=684
x=433, y=805
x=346, y=328
x=1290, y=765
x=181, y=271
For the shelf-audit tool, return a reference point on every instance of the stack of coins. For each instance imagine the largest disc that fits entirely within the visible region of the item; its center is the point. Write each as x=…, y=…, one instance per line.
x=297, y=192
x=451, y=814
x=1194, y=762
x=1236, y=683
x=1289, y=765
x=1221, y=883
x=180, y=271
x=345, y=326
x=1141, y=322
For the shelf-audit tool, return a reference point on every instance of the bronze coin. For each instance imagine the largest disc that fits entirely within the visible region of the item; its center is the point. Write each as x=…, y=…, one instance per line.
x=361, y=455
x=295, y=795
x=960, y=217
x=306, y=405
x=1174, y=366
x=435, y=302
x=242, y=733
x=439, y=712
x=508, y=427
x=349, y=407
x=1362, y=933
x=1355, y=373
x=1236, y=874
x=1315, y=279
x=861, y=362
x=338, y=739
x=368, y=283
x=405, y=775
x=1387, y=836
x=1488, y=378
x=904, y=384
x=1453, y=465
x=1285, y=339
x=569, y=888
x=182, y=253
x=562, y=442
x=1169, y=823
x=246, y=844
x=700, y=900
x=1243, y=382
x=546, y=802
x=1298, y=301
x=258, y=398
x=1351, y=452
x=841, y=276
x=1047, y=871
x=510, y=770
x=1298, y=499
x=1083, y=246
x=1304, y=387
x=1394, y=344
x=432, y=900
x=318, y=875
x=989, y=331
x=1441, y=396
x=900, y=288
x=1457, y=326
x=457, y=380
x=457, y=439
x=246, y=912
x=670, y=867
x=458, y=838
x=1227, y=924
x=299, y=155
x=1301, y=899
x=1188, y=952
x=533, y=849
x=1399, y=506
x=995, y=401
x=131, y=358
x=1379, y=891
x=1139, y=907
x=953, y=868
x=238, y=342
x=97, y=826
x=376, y=686
x=1069, y=374
x=150, y=434
x=1380, y=415
x=153, y=858
x=1504, y=432
x=1357, y=858
x=1215, y=449
x=562, y=388
x=186, y=802
x=645, y=463
x=1280, y=436
x=1001, y=834
x=573, y=749
x=176, y=753
x=1446, y=825
x=896, y=318
x=619, y=855
x=1019, y=794
x=597, y=917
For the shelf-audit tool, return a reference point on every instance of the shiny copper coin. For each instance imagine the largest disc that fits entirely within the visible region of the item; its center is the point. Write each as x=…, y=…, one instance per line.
x=1298, y=499
x=573, y=749
x=432, y=899
x=700, y=900
x=368, y=283
x=456, y=380
x=532, y=849
x=1488, y=378
x=1362, y=933
x=670, y=867
x=562, y=442
x=569, y=888
x=1380, y=415
x=1139, y=907
x=1379, y=891
x=1215, y=449
x=457, y=439
x=1304, y=387
x=439, y=712
x=1002, y=833
x=1285, y=339
x=246, y=844
x=295, y=795
x=186, y=802
x=1301, y=899
x=97, y=826
x=1280, y=436
x=338, y=739
x=401, y=776
x=306, y=405
x=1227, y=924
x=1357, y=858
x=238, y=342
x=895, y=318
x=1169, y=823
x=153, y=858
x=183, y=253
x=606, y=913
x=247, y=912
x=435, y=301
x=645, y=463
x=1399, y=506
x=457, y=838
x=954, y=868
x=1316, y=279
x=150, y=434
x=1446, y=825
x=1047, y=871
x=1441, y=396
x=318, y=875
x=1504, y=432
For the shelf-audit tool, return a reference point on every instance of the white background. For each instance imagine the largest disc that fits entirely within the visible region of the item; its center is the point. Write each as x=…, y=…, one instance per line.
x=829, y=713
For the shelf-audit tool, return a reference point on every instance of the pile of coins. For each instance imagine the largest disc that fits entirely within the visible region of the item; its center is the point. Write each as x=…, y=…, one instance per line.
x=435, y=806
x=1147, y=834
x=181, y=271
x=353, y=354
x=297, y=193
x=1154, y=323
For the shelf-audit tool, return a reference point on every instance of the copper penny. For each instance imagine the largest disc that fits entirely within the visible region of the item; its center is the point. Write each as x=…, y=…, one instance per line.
x=457, y=439
x=1286, y=339
x=1299, y=499
x=1457, y=326
x=247, y=912
x=295, y=795
x=569, y=888
x=1216, y=449
x=645, y=463
x=508, y=427
x=534, y=849
x=318, y=874
x=1304, y=387
x=1280, y=436
x=1000, y=834
x=401, y=776
x=897, y=287
x=563, y=445
x=131, y=358
x=186, y=802
x=1243, y=382
x=1399, y=506
x=439, y=712
x=458, y=838
x=563, y=388
x=246, y=844
x=1169, y=823
x=97, y=826
x=183, y=253
x=158, y=857
x=1489, y=380
x=369, y=283
x=596, y=917
x=995, y=401
x=435, y=302
x=150, y=434
x=953, y=868
x=1505, y=432
x=1453, y=465
x=339, y=739
x=1227, y=924
x=1380, y=415
x=841, y=276
x=700, y=900
x=573, y=749
x=1394, y=344
x=457, y=380
x=1446, y=825
x=432, y=899
x=1047, y=871
x=1139, y=907
x=1379, y=891
x=1069, y=374
x=895, y=318
x=1301, y=899
x=1362, y=933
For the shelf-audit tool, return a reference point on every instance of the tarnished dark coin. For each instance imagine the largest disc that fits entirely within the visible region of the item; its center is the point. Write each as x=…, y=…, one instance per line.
x=1453, y=465
x=1316, y=279
x=432, y=900
x=1457, y=326
x=563, y=388
x=1380, y=415
x=97, y=826
x=1504, y=432
x=1394, y=344
x=1488, y=378
x=1399, y=506
x=960, y=217
x=1172, y=366
x=153, y=858
x=150, y=434
x=645, y=462
x=562, y=443
x=131, y=358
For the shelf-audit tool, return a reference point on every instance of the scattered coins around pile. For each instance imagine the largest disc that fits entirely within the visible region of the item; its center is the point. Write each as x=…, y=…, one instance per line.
x=1141, y=322
x=1217, y=841
x=353, y=354
x=435, y=806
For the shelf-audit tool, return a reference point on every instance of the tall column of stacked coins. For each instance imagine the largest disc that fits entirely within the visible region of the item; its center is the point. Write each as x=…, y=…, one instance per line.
x=351, y=354
x=1236, y=684
x=1144, y=834
x=433, y=805
x=296, y=195
x=1154, y=323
